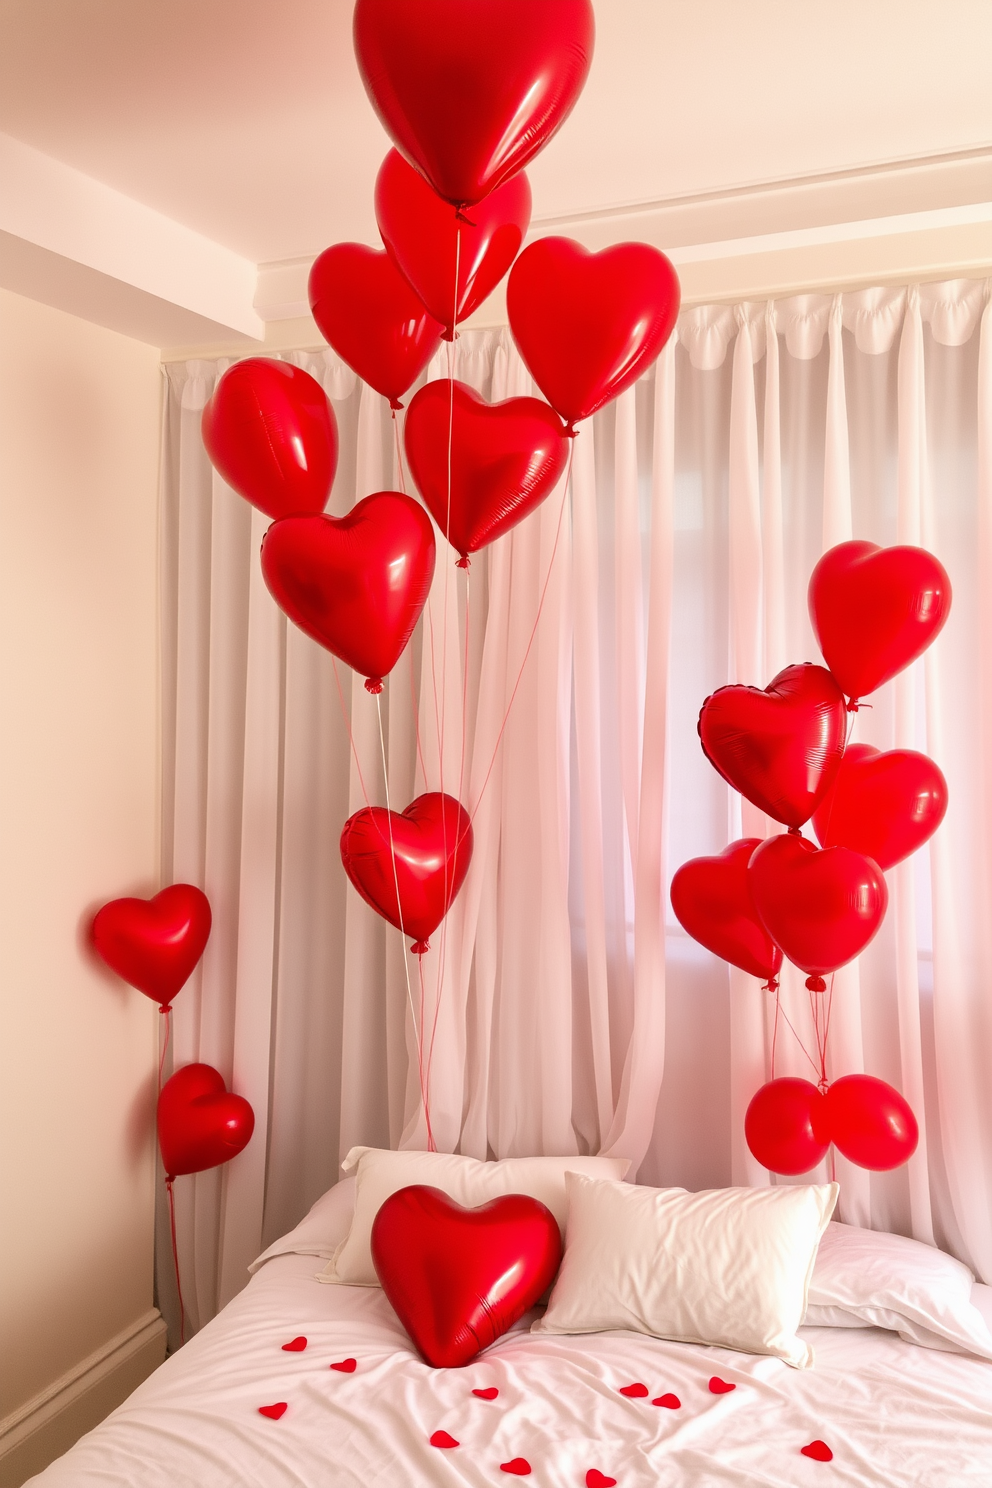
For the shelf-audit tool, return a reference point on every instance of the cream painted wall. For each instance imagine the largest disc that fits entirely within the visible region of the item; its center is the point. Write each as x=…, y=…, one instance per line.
x=79, y=430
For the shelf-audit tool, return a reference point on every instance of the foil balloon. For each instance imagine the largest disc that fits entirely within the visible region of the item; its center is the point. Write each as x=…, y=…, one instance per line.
x=785, y=1126
x=588, y=324
x=423, y=851
x=428, y=240
x=822, y=906
x=271, y=433
x=780, y=747
x=200, y=1123
x=470, y=93
x=368, y=312
x=712, y=901
x=357, y=584
x=459, y=1278
x=154, y=944
x=882, y=805
x=498, y=464
x=875, y=610
x=870, y=1123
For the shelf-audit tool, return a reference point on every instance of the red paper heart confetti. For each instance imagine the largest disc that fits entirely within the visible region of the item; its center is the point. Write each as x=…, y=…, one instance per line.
x=720, y=1386
x=274, y=1411
x=519, y=1466
x=489, y=1394
x=672, y=1402
x=442, y=1439
x=634, y=1392
x=296, y=1346
x=346, y=1366
x=818, y=1450
x=596, y=1479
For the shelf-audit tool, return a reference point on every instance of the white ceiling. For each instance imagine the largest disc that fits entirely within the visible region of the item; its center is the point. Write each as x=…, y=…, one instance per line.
x=245, y=120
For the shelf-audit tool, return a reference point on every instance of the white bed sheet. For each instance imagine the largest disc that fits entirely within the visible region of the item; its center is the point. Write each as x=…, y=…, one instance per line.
x=891, y=1412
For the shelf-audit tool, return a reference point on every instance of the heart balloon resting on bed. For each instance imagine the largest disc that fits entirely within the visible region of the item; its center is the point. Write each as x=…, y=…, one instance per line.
x=875, y=610
x=780, y=747
x=425, y=851
x=154, y=944
x=470, y=93
x=459, y=1278
x=712, y=901
x=503, y=459
x=201, y=1124
x=357, y=584
x=821, y=905
x=883, y=805
x=588, y=324
x=428, y=241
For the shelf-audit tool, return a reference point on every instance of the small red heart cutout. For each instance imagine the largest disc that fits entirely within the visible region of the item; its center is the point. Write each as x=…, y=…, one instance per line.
x=634, y=1392
x=296, y=1346
x=273, y=1411
x=596, y=1479
x=720, y=1386
x=489, y=1394
x=442, y=1439
x=346, y=1366
x=519, y=1466
x=672, y=1402
x=818, y=1450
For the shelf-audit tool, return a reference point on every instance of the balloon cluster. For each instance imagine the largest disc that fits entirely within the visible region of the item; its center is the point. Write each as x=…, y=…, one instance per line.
x=874, y=611
x=468, y=93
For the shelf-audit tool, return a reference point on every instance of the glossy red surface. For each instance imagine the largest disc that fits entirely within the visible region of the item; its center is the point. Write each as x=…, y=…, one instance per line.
x=871, y=1123
x=154, y=943
x=822, y=906
x=712, y=900
x=883, y=805
x=785, y=1126
x=200, y=1123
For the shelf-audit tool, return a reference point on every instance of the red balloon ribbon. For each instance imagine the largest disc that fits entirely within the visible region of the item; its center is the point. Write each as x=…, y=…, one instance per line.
x=504, y=459
x=154, y=944
x=588, y=324
x=271, y=433
x=712, y=900
x=356, y=585
x=426, y=239
x=780, y=747
x=368, y=312
x=424, y=850
x=875, y=610
x=200, y=1123
x=882, y=805
x=470, y=93
x=459, y=1278
x=822, y=906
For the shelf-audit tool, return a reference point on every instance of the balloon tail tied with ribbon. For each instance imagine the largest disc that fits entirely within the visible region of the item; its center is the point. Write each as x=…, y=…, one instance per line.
x=420, y=947
x=373, y=685
x=464, y=561
x=793, y=831
x=395, y=404
x=816, y=984
x=169, y=1181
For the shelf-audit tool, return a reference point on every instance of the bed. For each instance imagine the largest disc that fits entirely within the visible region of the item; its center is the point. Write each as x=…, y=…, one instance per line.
x=357, y=1405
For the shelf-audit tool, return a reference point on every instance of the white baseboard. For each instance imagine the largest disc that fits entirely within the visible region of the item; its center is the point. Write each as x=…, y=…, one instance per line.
x=47, y=1425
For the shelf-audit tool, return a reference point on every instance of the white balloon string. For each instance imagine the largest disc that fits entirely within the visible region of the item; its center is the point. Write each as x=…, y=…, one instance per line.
x=351, y=737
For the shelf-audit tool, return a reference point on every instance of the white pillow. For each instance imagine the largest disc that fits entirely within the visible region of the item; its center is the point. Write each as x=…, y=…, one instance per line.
x=464, y=1179
x=729, y=1266
x=869, y=1279
x=321, y=1231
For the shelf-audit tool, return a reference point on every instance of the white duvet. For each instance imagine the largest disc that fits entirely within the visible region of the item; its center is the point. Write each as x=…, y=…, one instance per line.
x=891, y=1412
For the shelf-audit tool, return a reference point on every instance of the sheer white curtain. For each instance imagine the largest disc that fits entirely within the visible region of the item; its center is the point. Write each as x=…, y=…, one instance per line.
x=568, y=1012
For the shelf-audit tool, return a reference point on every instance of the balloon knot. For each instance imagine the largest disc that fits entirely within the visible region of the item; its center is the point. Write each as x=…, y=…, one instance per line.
x=165, y=1008
x=853, y=706
x=771, y=985
x=419, y=947
x=395, y=403
x=461, y=217
x=450, y=334
x=170, y=1179
x=373, y=685
x=823, y=1085
x=464, y=561
x=571, y=432
x=794, y=832
x=816, y=984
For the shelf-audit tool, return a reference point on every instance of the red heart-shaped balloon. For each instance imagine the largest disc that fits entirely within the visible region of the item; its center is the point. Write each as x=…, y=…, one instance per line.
x=882, y=805
x=504, y=458
x=368, y=312
x=459, y=1278
x=822, y=906
x=874, y=610
x=428, y=240
x=200, y=1124
x=588, y=324
x=712, y=900
x=425, y=849
x=786, y=1126
x=154, y=943
x=780, y=747
x=356, y=584
x=470, y=93
x=871, y=1123
x=271, y=433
